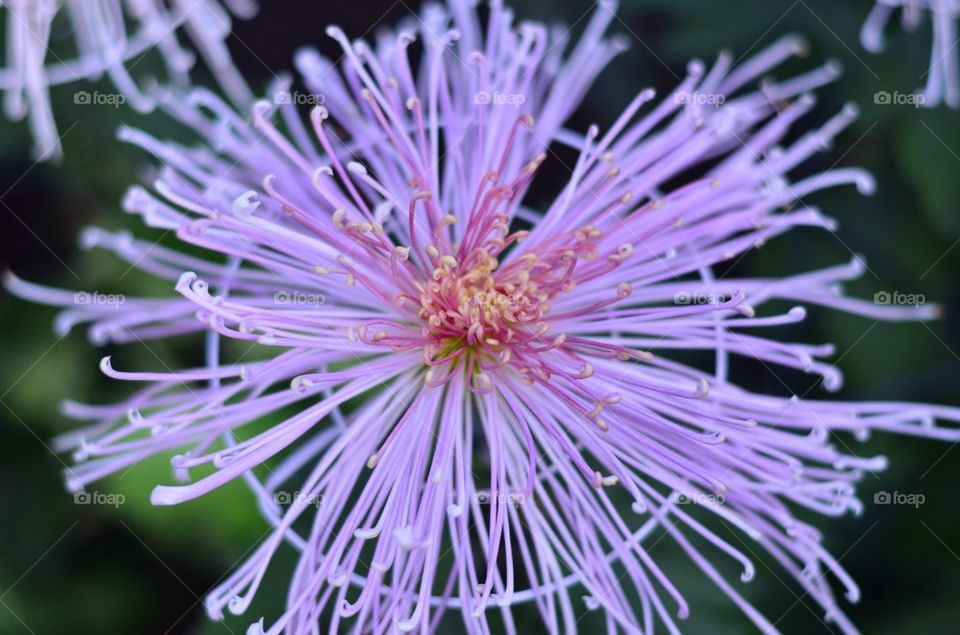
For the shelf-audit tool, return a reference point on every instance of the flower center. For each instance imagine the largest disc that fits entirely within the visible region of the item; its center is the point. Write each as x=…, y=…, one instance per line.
x=481, y=307
x=481, y=301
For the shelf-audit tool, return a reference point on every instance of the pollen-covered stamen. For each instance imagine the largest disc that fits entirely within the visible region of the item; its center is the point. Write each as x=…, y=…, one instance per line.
x=477, y=307
x=441, y=235
x=358, y=230
x=299, y=215
x=606, y=350
x=402, y=150
x=500, y=315
x=386, y=333
x=422, y=195
x=485, y=202
x=317, y=116
x=474, y=311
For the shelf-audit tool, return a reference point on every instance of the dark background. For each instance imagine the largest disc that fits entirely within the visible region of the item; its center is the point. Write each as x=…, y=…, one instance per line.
x=139, y=569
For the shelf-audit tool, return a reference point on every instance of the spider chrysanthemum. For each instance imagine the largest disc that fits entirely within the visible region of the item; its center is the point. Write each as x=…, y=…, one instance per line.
x=109, y=36
x=474, y=398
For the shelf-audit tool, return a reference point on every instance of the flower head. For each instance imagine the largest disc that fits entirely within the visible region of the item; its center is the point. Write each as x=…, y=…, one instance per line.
x=466, y=378
x=943, y=76
x=105, y=46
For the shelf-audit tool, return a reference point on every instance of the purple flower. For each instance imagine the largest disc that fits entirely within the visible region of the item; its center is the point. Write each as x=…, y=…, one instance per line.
x=447, y=385
x=943, y=76
x=104, y=45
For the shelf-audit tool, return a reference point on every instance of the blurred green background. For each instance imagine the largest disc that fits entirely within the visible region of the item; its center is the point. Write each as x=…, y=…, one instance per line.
x=69, y=568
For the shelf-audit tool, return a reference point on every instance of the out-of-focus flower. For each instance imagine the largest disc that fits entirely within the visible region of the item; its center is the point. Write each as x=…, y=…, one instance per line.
x=943, y=76
x=109, y=37
x=473, y=395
